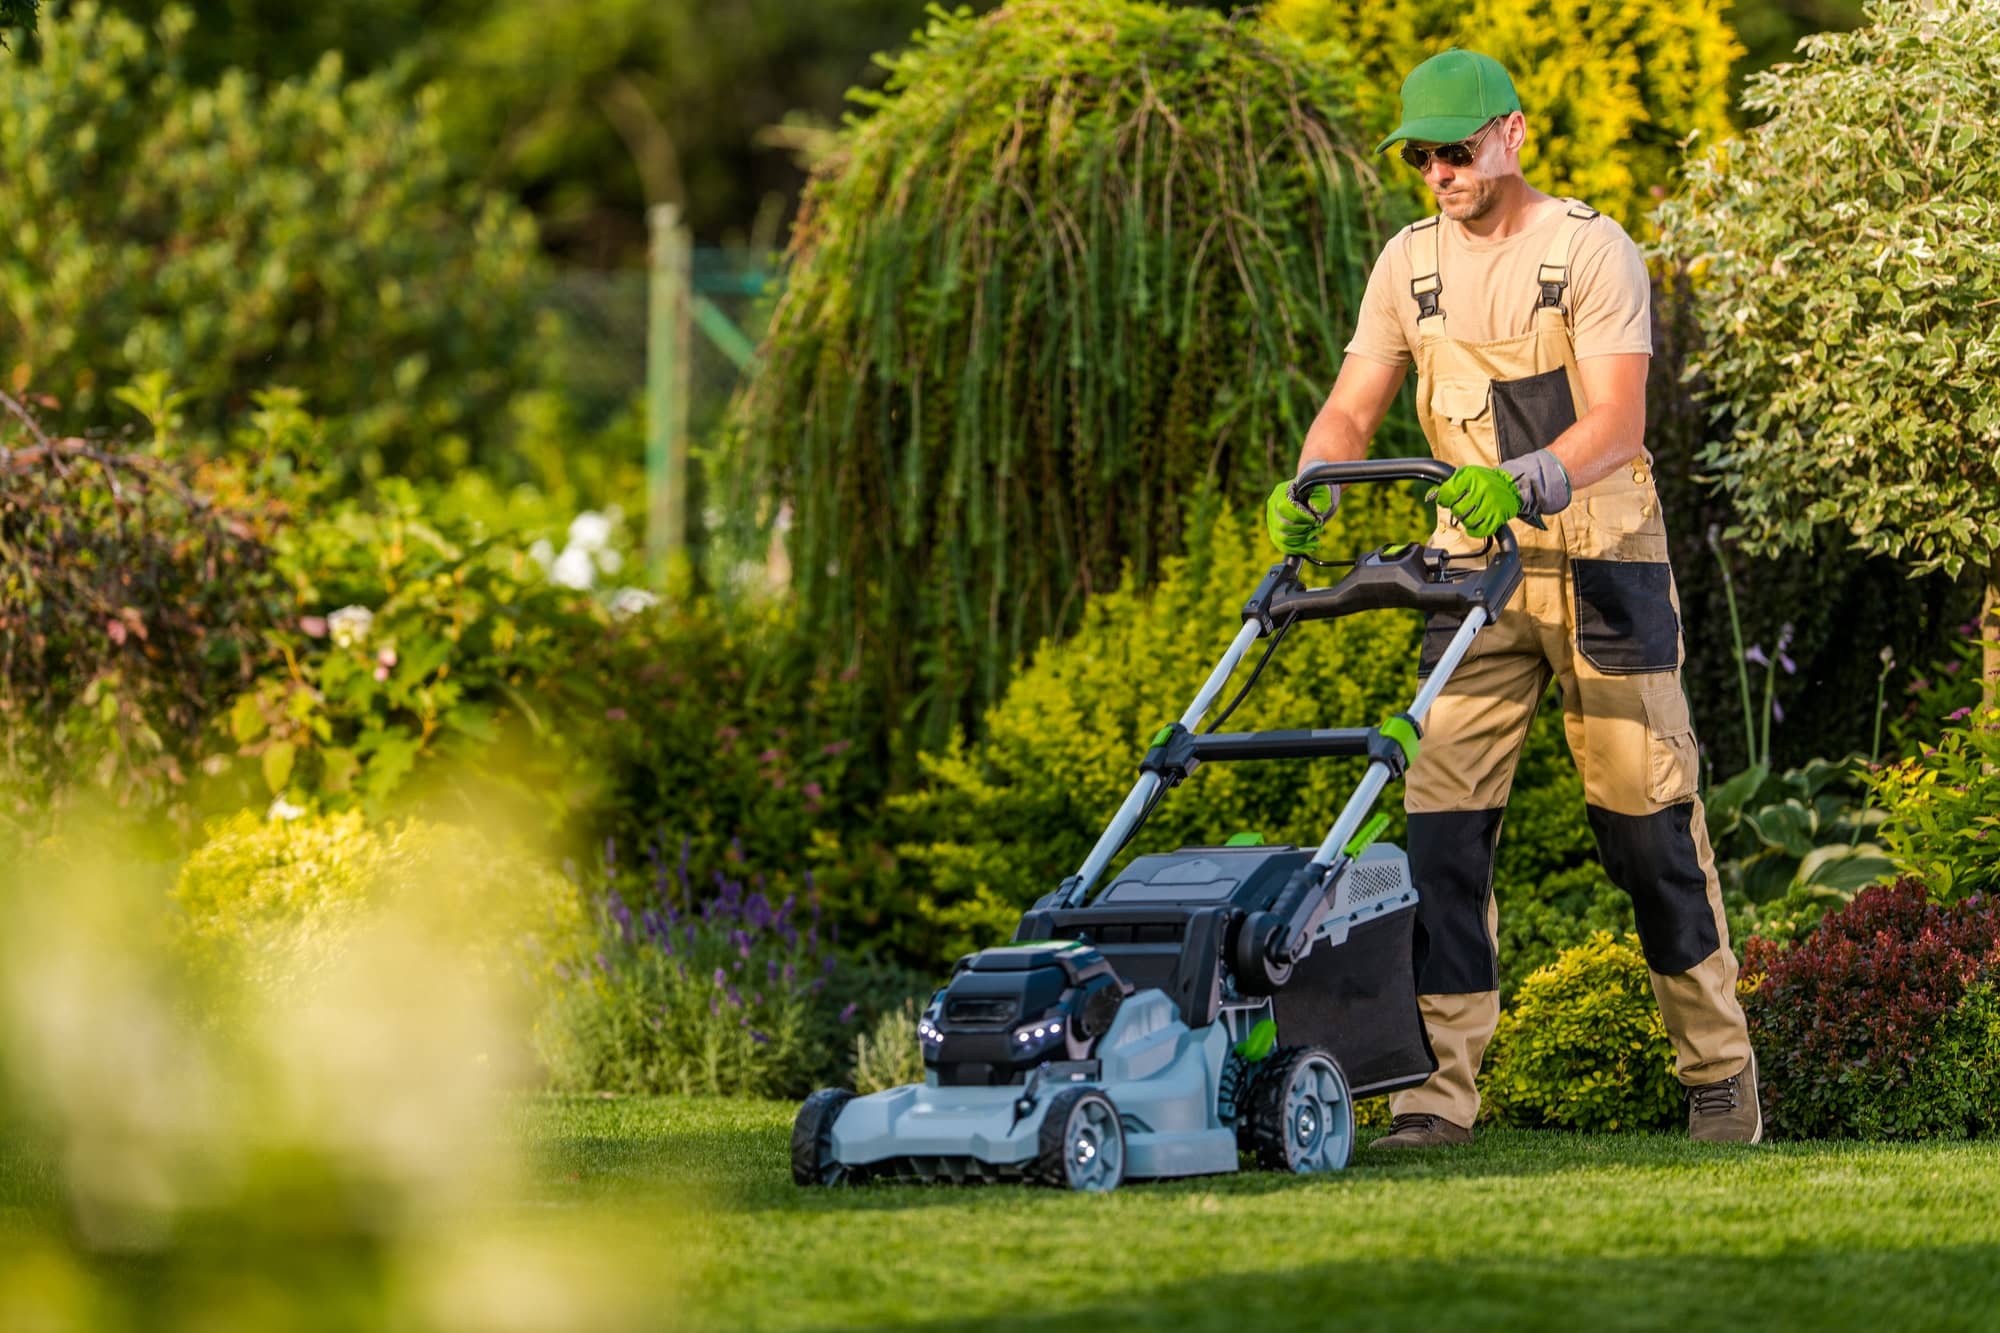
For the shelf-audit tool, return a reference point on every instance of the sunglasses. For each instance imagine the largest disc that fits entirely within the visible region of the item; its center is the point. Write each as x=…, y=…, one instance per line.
x=1451, y=154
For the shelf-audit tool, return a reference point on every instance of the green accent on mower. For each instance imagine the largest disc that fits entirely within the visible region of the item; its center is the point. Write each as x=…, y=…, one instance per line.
x=1262, y=1040
x=1245, y=840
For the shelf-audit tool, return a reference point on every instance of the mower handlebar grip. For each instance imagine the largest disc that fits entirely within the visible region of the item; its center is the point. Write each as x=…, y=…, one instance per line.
x=1389, y=469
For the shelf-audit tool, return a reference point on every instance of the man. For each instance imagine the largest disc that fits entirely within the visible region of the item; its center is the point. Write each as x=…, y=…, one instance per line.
x=1527, y=319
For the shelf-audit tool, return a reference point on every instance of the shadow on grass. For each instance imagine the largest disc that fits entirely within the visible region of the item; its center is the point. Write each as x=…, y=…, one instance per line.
x=1942, y=1288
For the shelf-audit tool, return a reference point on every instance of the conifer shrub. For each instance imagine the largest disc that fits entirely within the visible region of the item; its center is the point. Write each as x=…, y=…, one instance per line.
x=1884, y=1022
x=1081, y=258
x=1581, y=1046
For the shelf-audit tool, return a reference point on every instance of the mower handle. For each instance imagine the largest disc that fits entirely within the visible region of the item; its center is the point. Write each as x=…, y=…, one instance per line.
x=1381, y=469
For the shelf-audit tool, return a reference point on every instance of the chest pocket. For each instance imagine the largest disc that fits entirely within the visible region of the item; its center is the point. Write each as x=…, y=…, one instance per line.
x=1460, y=402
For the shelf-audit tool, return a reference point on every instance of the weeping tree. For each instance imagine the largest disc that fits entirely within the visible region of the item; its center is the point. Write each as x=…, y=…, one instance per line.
x=1845, y=258
x=1084, y=261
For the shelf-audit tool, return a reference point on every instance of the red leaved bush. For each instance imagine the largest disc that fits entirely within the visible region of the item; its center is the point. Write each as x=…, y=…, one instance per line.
x=1881, y=1023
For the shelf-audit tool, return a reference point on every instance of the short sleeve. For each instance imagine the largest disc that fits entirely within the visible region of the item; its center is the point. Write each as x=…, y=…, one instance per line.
x=1378, y=331
x=1611, y=294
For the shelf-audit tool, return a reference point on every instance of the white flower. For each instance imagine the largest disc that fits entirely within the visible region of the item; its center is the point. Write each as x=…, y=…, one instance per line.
x=572, y=568
x=610, y=561
x=590, y=530
x=350, y=625
x=631, y=601
x=542, y=553
x=284, y=809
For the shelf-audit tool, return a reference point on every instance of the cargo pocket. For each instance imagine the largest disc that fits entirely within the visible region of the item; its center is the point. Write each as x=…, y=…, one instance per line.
x=1529, y=414
x=1625, y=619
x=1671, y=764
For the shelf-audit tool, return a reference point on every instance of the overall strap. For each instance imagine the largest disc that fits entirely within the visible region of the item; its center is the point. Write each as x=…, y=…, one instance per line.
x=1554, y=273
x=1424, y=283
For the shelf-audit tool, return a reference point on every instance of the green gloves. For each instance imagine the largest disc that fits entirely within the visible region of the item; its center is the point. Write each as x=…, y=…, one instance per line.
x=1482, y=498
x=1293, y=530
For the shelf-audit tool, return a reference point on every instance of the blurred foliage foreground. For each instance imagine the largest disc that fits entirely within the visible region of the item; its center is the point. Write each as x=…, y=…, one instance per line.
x=190, y=1145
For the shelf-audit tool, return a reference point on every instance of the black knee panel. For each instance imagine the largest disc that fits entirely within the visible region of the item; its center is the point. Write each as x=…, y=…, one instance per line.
x=1451, y=868
x=1653, y=859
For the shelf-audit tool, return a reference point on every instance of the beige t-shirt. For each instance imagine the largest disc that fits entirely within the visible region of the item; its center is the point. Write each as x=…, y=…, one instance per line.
x=1490, y=289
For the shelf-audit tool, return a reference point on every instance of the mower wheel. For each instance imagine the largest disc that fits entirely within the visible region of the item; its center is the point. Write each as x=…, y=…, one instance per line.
x=1082, y=1144
x=812, y=1140
x=1300, y=1117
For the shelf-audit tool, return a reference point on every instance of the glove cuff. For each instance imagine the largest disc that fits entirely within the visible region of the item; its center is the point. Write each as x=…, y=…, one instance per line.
x=1542, y=482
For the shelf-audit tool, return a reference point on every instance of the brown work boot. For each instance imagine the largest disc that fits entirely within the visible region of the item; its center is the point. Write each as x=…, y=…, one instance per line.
x=1727, y=1112
x=1416, y=1130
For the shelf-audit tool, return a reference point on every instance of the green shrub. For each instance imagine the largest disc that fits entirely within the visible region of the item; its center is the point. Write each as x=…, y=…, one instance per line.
x=1610, y=90
x=272, y=901
x=1084, y=257
x=1943, y=804
x=1001, y=822
x=1883, y=1022
x=426, y=665
x=309, y=233
x=1582, y=1046
x=1847, y=321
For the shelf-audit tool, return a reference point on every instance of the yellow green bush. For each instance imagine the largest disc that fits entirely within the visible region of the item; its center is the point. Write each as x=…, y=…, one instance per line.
x=1610, y=90
x=273, y=902
x=1582, y=1046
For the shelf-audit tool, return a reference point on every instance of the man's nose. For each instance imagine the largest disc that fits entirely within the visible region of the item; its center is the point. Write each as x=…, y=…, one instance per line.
x=1441, y=168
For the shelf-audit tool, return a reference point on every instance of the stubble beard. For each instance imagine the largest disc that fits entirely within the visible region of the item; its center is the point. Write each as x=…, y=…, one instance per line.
x=1471, y=204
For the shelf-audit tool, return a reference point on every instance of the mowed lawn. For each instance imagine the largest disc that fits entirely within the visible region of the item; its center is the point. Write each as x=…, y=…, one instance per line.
x=1521, y=1230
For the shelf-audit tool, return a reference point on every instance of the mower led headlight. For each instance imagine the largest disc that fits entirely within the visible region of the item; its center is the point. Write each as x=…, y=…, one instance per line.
x=1029, y=1035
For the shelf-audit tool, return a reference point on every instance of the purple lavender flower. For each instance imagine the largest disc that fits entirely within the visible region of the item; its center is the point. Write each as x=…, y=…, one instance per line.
x=1777, y=711
x=847, y=1014
x=1958, y=715
x=1791, y=668
x=771, y=970
x=610, y=856
x=735, y=998
x=687, y=893
x=791, y=974
x=620, y=913
x=714, y=1009
x=741, y=941
x=759, y=1037
x=756, y=999
x=1755, y=656
x=721, y=979
x=829, y=965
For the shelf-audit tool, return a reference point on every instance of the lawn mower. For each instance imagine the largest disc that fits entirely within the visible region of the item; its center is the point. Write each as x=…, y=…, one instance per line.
x=1208, y=1001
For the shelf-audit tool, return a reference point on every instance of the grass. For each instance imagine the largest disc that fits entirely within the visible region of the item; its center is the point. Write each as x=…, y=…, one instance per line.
x=1521, y=1230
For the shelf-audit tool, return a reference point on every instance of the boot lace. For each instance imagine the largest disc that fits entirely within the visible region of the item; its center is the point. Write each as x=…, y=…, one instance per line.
x=1413, y=1120
x=1714, y=1098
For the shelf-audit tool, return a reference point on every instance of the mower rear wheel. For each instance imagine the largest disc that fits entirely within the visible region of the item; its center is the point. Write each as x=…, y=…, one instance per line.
x=1082, y=1143
x=813, y=1162
x=1300, y=1116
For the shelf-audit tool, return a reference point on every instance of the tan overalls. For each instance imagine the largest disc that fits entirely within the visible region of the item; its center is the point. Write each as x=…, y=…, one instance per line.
x=1598, y=610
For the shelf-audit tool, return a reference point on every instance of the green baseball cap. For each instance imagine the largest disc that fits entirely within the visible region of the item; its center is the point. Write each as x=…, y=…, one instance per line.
x=1449, y=96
